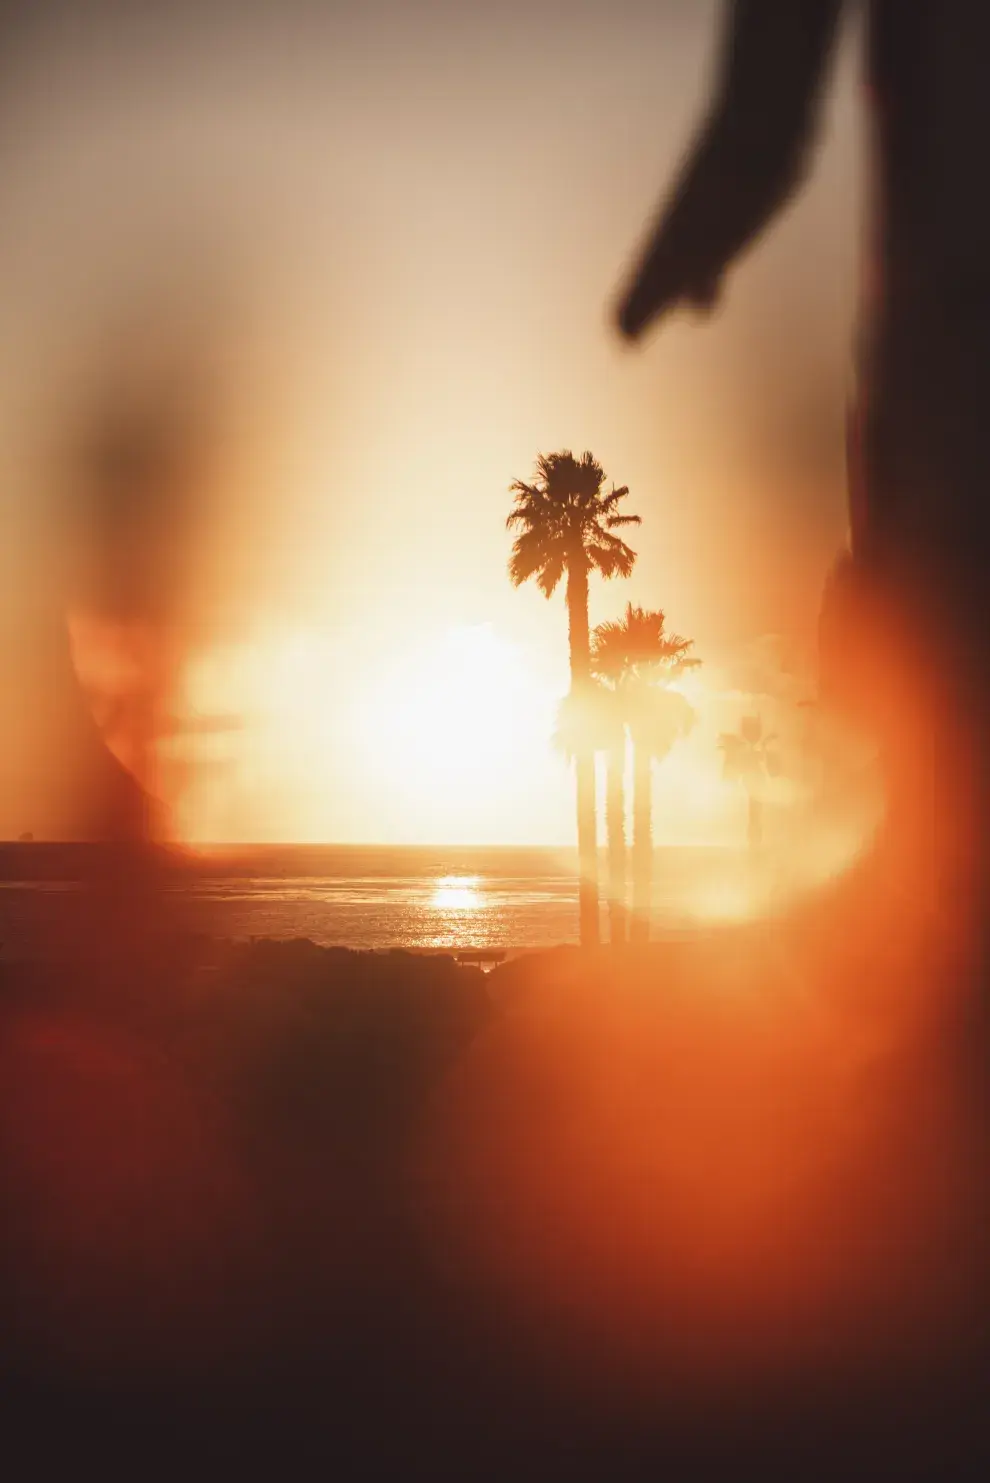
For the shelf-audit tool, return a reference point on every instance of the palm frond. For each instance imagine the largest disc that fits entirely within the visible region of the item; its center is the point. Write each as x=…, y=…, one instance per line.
x=532, y=552
x=609, y=651
x=550, y=575
x=530, y=505
x=613, y=498
x=609, y=556
x=638, y=644
x=674, y=654
x=747, y=753
x=590, y=476
x=561, y=517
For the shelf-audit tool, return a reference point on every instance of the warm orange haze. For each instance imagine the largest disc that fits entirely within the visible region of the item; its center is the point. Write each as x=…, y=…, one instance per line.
x=452, y=712
x=465, y=739
x=493, y=815
x=367, y=407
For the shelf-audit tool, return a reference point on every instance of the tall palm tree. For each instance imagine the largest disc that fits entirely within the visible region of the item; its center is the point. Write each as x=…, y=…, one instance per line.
x=565, y=522
x=637, y=659
x=749, y=758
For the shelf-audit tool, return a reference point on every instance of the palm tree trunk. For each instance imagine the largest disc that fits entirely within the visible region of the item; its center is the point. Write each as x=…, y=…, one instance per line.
x=642, y=843
x=587, y=829
x=615, y=819
x=587, y=824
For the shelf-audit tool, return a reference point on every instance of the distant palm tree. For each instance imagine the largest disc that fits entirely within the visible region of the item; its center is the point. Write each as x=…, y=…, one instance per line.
x=665, y=716
x=636, y=658
x=565, y=522
x=749, y=759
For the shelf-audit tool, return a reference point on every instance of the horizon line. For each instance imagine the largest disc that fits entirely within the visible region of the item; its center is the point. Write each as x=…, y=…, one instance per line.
x=332, y=844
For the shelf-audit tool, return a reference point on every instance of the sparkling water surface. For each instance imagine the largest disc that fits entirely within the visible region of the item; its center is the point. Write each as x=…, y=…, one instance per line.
x=368, y=897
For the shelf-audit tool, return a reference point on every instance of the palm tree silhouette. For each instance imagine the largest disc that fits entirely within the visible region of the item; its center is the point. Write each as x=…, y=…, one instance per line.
x=636, y=659
x=749, y=758
x=565, y=523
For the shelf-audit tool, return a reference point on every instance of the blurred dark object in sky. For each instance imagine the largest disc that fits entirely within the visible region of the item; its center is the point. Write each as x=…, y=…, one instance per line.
x=919, y=453
x=929, y=118
x=136, y=489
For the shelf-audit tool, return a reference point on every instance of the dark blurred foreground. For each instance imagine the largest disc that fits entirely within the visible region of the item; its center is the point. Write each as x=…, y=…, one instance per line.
x=715, y=1207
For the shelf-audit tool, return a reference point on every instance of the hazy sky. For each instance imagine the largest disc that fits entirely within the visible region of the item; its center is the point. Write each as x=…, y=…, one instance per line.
x=397, y=229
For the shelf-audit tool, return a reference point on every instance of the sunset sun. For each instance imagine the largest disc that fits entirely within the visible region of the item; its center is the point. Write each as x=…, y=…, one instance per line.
x=461, y=714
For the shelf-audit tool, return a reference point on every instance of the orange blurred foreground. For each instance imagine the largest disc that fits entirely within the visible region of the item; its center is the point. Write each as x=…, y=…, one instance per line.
x=726, y=1164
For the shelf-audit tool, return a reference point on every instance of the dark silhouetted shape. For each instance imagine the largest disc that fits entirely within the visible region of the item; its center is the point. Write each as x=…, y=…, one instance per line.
x=748, y=758
x=565, y=524
x=635, y=657
x=920, y=456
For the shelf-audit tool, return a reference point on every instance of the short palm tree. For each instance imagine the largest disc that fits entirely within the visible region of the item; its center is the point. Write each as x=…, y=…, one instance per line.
x=565, y=522
x=749, y=758
x=636, y=658
x=594, y=722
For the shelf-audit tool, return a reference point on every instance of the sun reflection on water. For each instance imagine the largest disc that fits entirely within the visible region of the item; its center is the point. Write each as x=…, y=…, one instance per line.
x=457, y=893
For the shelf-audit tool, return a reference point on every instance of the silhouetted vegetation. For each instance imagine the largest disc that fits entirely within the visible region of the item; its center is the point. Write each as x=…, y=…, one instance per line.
x=750, y=759
x=565, y=523
x=636, y=659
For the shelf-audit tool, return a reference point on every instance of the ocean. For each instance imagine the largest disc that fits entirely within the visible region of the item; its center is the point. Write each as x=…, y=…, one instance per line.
x=420, y=897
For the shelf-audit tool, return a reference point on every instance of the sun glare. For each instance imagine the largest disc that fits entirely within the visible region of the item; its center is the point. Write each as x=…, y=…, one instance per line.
x=457, y=893
x=461, y=704
x=455, y=731
x=453, y=745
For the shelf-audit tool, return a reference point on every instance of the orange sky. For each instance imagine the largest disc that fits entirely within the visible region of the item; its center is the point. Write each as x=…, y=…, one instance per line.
x=417, y=216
